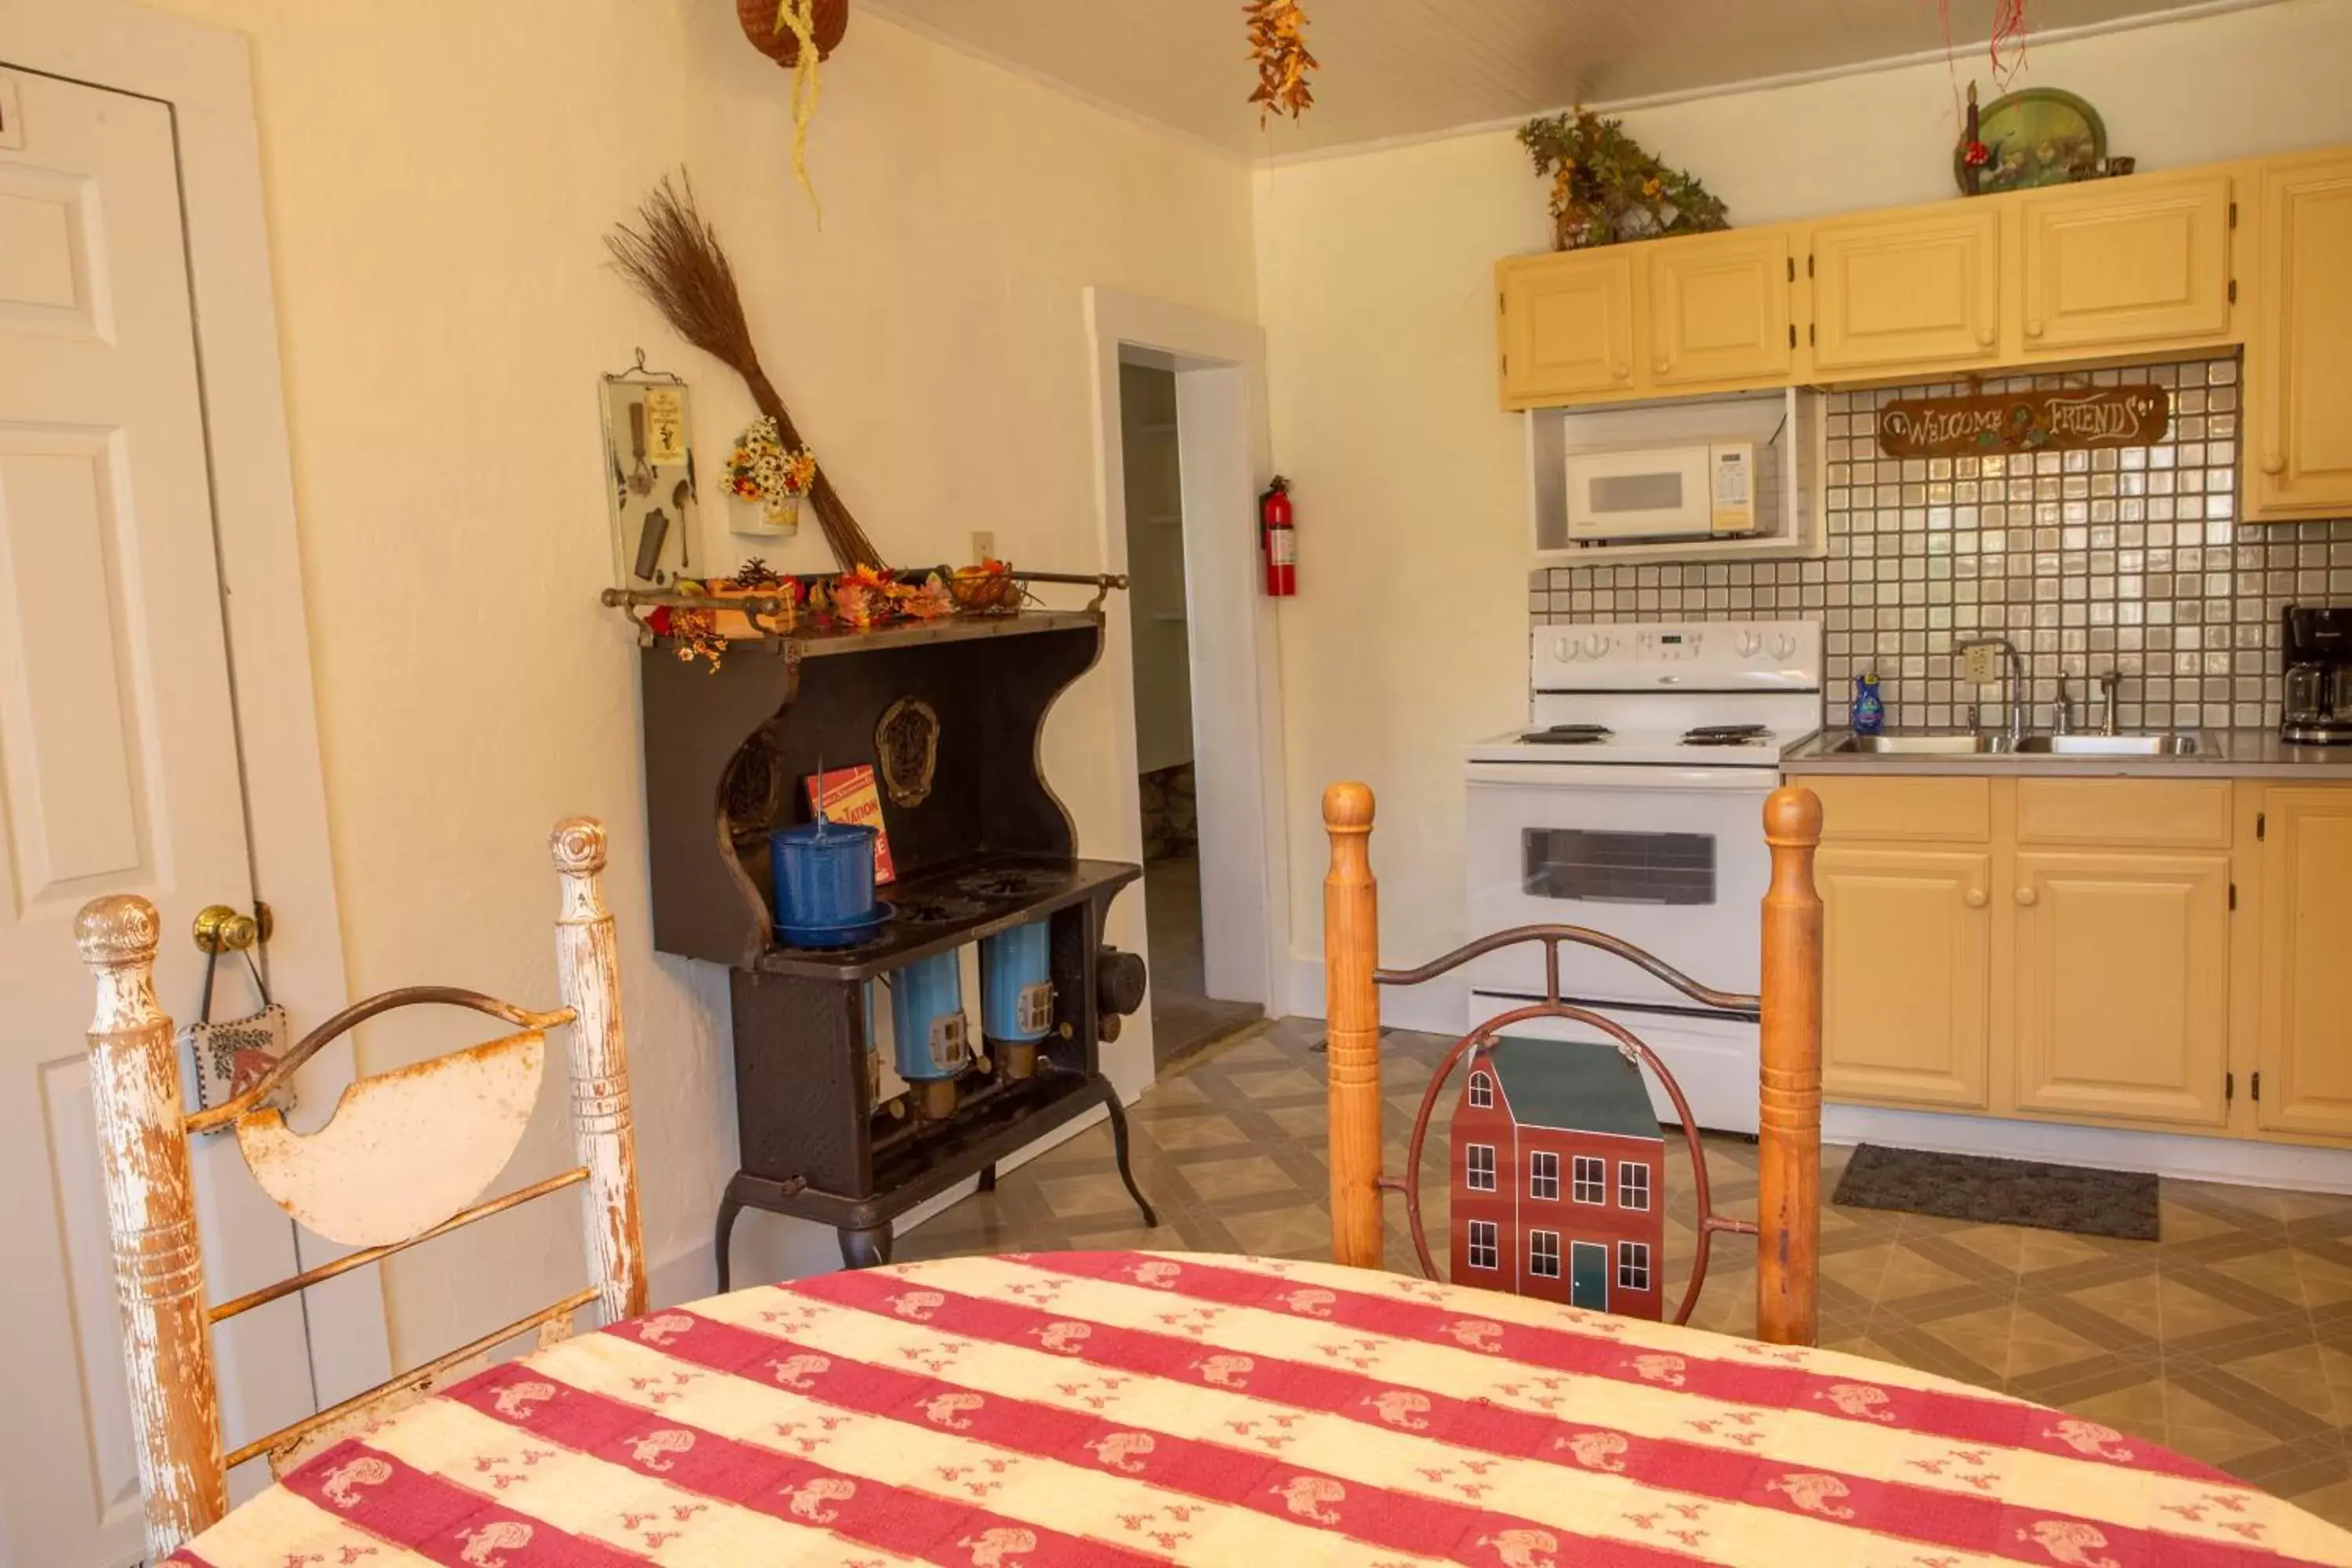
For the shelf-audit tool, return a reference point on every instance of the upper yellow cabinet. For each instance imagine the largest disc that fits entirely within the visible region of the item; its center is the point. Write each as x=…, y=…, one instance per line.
x=1567, y=325
x=2117, y=266
x=1907, y=288
x=1719, y=308
x=2299, y=359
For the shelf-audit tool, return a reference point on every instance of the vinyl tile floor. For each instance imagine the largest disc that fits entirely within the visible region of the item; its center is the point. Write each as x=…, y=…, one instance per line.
x=2229, y=1340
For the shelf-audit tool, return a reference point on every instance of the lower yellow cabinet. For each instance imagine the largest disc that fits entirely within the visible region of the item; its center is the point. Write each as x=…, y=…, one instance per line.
x=2305, y=1040
x=2119, y=987
x=1906, y=970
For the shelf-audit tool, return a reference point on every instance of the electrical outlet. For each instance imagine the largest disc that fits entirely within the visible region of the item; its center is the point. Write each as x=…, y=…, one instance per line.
x=1978, y=665
x=983, y=544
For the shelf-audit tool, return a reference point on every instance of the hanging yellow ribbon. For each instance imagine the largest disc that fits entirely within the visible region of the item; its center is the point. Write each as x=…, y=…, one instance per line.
x=799, y=18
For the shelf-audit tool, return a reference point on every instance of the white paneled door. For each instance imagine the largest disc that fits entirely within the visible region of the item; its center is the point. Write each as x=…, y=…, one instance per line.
x=119, y=773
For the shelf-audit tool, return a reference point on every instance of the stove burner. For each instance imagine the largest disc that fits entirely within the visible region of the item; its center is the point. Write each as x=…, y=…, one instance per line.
x=1007, y=884
x=1567, y=735
x=941, y=909
x=1726, y=735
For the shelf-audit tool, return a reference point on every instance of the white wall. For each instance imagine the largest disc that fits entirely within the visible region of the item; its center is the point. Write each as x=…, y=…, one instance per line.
x=1375, y=282
x=440, y=173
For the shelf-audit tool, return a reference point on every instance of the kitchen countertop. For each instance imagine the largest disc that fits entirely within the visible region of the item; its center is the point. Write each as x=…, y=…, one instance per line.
x=2229, y=754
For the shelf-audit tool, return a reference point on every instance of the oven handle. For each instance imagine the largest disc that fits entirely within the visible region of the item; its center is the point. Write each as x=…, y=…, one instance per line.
x=1758, y=781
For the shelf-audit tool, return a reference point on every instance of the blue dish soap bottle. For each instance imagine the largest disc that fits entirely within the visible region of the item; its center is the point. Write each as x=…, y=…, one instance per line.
x=1868, y=714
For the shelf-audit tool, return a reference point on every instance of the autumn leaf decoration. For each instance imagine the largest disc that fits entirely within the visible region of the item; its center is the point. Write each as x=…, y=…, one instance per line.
x=1277, y=32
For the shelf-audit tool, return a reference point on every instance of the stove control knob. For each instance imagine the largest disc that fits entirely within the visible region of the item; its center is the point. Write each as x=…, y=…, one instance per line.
x=1748, y=644
x=1563, y=649
x=1784, y=645
x=1597, y=646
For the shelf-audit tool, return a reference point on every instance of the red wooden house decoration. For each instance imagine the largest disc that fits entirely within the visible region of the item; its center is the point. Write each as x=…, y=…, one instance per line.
x=1558, y=1167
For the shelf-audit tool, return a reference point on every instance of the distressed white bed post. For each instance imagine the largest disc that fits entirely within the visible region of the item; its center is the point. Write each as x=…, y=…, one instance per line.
x=151, y=1213
x=601, y=1125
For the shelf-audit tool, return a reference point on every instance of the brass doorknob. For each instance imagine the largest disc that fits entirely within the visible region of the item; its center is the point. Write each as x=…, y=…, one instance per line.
x=220, y=929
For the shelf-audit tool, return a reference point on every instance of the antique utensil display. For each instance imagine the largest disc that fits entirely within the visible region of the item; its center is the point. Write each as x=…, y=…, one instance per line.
x=648, y=475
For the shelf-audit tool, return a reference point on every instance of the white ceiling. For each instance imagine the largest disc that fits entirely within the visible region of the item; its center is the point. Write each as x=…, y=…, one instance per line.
x=1412, y=67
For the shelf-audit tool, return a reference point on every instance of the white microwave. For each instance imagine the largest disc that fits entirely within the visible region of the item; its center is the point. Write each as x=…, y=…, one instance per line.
x=1697, y=491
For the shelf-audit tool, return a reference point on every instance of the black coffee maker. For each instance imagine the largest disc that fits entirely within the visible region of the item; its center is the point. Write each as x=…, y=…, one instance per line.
x=2315, y=645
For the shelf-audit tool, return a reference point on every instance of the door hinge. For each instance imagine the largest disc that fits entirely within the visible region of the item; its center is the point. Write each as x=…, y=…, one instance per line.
x=2256, y=1084
x=1792, y=334
x=2234, y=291
x=2229, y=1086
x=2262, y=824
x=1501, y=304
x=2233, y=895
x=1813, y=333
x=2234, y=214
x=1792, y=269
x=1808, y=266
x=1506, y=364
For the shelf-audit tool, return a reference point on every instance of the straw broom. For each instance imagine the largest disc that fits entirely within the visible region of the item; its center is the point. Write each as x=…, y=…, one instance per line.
x=673, y=259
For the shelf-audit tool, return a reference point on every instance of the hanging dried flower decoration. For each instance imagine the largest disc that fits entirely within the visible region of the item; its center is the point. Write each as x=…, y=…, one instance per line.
x=799, y=19
x=1278, y=35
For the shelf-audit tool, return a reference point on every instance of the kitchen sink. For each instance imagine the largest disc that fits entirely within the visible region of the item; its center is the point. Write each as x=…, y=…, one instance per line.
x=2164, y=745
x=1920, y=745
x=2179, y=743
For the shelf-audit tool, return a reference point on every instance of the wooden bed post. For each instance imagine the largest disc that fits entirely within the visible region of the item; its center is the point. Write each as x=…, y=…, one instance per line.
x=151, y=1212
x=602, y=1128
x=1789, y=1132
x=1351, y=938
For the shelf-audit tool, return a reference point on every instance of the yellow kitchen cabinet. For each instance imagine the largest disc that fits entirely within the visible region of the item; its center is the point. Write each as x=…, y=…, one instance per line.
x=2119, y=986
x=1905, y=974
x=1567, y=325
x=2303, y=1043
x=1902, y=289
x=2125, y=266
x=2299, y=356
x=1719, y=308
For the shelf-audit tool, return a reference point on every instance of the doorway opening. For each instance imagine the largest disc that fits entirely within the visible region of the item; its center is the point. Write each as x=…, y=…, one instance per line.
x=1185, y=1015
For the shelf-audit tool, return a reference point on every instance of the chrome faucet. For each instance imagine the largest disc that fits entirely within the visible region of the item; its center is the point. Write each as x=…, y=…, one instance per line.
x=2062, y=712
x=2014, y=667
x=2109, y=681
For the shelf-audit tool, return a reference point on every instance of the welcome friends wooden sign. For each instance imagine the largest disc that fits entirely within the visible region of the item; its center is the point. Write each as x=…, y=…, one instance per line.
x=2024, y=422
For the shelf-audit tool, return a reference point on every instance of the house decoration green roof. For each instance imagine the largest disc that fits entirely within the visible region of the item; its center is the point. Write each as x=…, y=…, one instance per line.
x=1571, y=1086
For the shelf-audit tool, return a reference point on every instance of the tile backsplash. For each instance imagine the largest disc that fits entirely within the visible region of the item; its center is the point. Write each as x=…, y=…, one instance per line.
x=2132, y=560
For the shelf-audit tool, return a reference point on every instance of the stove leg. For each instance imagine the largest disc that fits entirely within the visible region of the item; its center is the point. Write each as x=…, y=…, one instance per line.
x=988, y=1178
x=864, y=1246
x=728, y=1209
x=1119, y=1148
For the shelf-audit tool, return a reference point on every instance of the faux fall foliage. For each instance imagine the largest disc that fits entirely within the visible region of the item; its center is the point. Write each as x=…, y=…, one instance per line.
x=1278, y=36
x=1605, y=189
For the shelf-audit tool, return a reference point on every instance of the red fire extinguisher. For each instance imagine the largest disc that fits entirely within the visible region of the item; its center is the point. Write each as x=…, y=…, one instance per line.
x=1277, y=536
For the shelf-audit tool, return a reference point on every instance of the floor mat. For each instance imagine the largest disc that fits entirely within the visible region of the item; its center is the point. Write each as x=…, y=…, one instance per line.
x=2001, y=1192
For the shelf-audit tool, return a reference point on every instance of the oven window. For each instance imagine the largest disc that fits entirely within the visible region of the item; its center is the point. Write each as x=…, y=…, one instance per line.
x=1606, y=867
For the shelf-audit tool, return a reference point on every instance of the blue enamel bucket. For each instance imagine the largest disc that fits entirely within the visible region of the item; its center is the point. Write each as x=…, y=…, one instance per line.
x=824, y=875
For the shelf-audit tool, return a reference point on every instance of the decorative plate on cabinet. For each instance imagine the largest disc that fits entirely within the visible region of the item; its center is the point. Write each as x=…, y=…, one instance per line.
x=2040, y=136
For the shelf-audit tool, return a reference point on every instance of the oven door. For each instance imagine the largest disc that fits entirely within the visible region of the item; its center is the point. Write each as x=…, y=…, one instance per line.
x=1670, y=860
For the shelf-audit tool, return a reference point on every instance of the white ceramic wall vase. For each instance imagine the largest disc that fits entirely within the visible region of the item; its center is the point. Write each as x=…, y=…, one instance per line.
x=762, y=518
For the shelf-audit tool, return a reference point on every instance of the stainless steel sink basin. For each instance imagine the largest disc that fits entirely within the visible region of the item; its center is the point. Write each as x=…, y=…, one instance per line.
x=2164, y=745
x=2168, y=744
x=1919, y=745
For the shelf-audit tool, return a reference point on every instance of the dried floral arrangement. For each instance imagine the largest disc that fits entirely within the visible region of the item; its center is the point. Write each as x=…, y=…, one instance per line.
x=761, y=468
x=673, y=257
x=1605, y=189
x=1277, y=40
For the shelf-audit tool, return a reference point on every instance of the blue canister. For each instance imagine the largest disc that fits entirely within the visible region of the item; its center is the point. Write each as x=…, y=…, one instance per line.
x=1016, y=995
x=1868, y=714
x=823, y=874
x=927, y=1029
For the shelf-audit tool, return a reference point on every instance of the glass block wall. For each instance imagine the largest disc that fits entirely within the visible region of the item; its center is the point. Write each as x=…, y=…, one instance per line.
x=2130, y=560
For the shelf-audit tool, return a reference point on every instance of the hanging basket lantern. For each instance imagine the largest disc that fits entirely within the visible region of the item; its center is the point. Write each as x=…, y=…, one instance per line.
x=759, y=20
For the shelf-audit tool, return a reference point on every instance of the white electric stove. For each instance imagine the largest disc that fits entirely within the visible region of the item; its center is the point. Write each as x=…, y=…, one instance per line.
x=1632, y=802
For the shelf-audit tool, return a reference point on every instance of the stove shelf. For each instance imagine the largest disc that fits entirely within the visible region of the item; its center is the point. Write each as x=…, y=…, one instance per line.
x=961, y=911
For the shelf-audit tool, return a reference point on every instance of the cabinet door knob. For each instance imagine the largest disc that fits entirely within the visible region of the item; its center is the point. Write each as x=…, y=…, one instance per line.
x=2273, y=462
x=1984, y=337
x=1665, y=365
x=2028, y=897
x=1620, y=370
x=2033, y=329
x=1975, y=898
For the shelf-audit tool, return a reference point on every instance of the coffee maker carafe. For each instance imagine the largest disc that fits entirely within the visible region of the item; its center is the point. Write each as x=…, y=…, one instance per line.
x=2316, y=647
